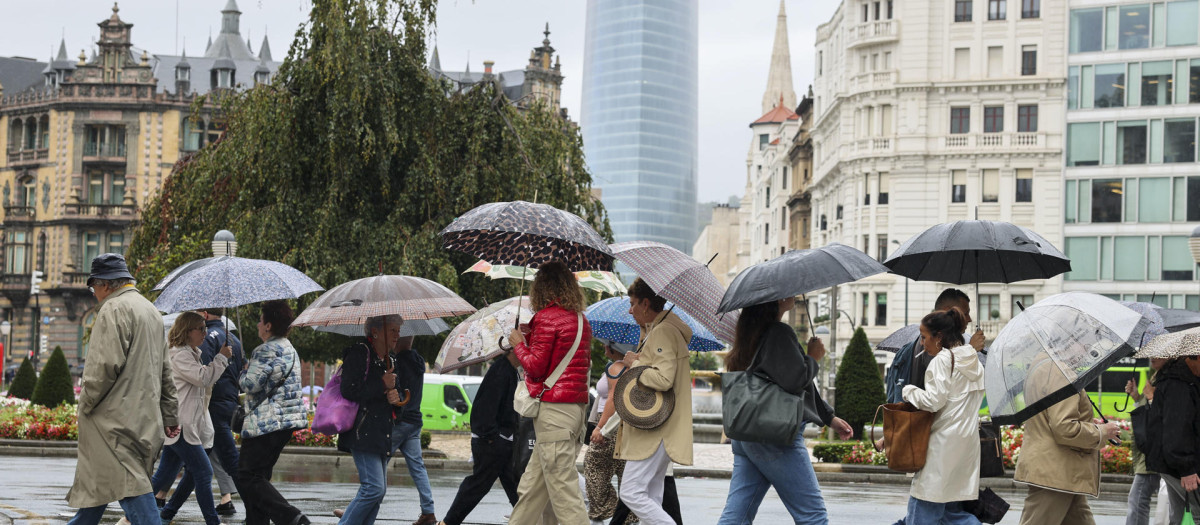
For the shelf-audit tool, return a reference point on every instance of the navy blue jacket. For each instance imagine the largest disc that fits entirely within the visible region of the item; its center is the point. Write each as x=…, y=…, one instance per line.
x=898, y=374
x=225, y=392
x=410, y=374
x=362, y=383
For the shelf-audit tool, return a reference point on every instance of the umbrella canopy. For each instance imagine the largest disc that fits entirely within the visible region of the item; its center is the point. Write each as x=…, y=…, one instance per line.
x=893, y=343
x=477, y=339
x=1054, y=348
x=966, y=252
x=678, y=278
x=1173, y=345
x=610, y=320
x=1175, y=319
x=409, y=297
x=233, y=282
x=1151, y=312
x=411, y=328
x=169, y=321
x=527, y=234
x=798, y=272
x=185, y=268
x=603, y=282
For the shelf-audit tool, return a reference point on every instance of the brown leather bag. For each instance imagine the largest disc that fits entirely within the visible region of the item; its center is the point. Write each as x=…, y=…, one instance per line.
x=906, y=430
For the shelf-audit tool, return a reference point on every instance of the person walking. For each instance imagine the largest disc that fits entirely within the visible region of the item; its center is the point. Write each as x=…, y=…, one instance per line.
x=1146, y=482
x=909, y=364
x=557, y=331
x=648, y=452
x=761, y=334
x=406, y=436
x=127, y=401
x=493, y=423
x=954, y=390
x=1177, y=389
x=272, y=385
x=193, y=381
x=599, y=466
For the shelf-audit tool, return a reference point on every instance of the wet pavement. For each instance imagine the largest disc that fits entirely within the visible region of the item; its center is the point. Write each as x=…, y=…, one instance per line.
x=33, y=490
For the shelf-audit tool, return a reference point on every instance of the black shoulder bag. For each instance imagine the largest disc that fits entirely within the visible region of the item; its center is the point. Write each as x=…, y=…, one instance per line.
x=239, y=416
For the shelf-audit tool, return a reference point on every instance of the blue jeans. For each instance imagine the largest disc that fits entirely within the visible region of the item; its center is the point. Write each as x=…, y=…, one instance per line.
x=199, y=475
x=140, y=510
x=406, y=437
x=921, y=512
x=225, y=450
x=759, y=466
x=372, y=486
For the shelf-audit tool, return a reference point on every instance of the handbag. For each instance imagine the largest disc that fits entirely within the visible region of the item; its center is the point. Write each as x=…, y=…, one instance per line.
x=527, y=405
x=239, y=415
x=991, y=460
x=989, y=508
x=754, y=408
x=336, y=414
x=524, y=438
x=906, y=431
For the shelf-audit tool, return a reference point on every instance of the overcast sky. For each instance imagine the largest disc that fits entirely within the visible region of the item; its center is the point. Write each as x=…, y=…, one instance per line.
x=735, y=48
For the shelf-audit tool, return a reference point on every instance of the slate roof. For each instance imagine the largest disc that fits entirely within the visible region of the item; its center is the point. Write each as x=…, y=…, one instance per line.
x=18, y=74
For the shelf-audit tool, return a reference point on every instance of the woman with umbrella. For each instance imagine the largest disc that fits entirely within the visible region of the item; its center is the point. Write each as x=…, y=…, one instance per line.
x=557, y=331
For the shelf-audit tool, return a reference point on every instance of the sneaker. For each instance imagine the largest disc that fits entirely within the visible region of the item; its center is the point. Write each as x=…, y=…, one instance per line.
x=226, y=509
x=337, y=513
x=301, y=520
x=426, y=519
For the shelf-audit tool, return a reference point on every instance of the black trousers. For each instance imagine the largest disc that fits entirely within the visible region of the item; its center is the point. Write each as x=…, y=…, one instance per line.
x=670, y=504
x=256, y=462
x=492, y=461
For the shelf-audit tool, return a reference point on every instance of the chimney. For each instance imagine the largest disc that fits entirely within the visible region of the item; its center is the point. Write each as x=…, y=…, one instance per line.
x=224, y=244
x=487, y=66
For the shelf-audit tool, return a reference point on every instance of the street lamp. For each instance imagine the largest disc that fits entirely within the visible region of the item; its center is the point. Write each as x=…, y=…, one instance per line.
x=906, y=279
x=850, y=318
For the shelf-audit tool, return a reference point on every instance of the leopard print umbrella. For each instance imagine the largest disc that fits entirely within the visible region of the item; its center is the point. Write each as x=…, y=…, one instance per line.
x=527, y=234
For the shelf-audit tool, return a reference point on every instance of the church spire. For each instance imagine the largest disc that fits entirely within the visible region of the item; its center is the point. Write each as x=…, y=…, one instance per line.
x=779, y=79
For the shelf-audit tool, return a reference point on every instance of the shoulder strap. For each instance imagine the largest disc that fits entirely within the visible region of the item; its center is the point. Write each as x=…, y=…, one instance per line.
x=562, y=365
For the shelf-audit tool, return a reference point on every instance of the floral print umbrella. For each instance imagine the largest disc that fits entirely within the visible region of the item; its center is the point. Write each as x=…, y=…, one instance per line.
x=478, y=338
x=603, y=282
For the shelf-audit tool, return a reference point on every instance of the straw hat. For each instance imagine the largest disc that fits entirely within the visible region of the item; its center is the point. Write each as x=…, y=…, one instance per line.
x=639, y=406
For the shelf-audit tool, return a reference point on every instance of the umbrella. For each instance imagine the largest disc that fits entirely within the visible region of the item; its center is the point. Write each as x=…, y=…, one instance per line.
x=185, y=268
x=680, y=279
x=603, y=282
x=610, y=320
x=1051, y=350
x=796, y=273
x=311, y=389
x=1152, y=314
x=893, y=343
x=233, y=282
x=352, y=303
x=527, y=234
x=169, y=321
x=413, y=327
x=1172, y=345
x=1175, y=319
x=477, y=339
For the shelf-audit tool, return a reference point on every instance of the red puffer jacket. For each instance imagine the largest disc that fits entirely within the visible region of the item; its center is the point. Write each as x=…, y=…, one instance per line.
x=551, y=335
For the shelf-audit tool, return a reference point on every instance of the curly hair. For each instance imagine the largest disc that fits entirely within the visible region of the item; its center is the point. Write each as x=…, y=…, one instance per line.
x=185, y=323
x=554, y=283
x=640, y=290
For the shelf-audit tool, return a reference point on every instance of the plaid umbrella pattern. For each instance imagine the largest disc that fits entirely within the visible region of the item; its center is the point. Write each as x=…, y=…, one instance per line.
x=610, y=320
x=527, y=234
x=409, y=297
x=682, y=280
x=477, y=339
x=234, y=282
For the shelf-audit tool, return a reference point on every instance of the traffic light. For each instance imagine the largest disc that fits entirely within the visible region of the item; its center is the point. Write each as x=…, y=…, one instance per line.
x=43, y=343
x=35, y=279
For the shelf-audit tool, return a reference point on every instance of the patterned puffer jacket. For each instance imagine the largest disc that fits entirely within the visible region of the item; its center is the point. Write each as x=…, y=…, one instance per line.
x=551, y=335
x=285, y=409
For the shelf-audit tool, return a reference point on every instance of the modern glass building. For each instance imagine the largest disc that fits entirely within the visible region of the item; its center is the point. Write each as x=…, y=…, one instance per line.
x=640, y=115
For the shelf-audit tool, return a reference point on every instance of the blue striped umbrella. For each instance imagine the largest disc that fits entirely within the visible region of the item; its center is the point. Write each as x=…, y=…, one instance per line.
x=610, y=320
x=234, y=282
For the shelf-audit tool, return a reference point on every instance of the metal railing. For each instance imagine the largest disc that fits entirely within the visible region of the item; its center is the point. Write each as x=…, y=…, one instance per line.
x=103, y=149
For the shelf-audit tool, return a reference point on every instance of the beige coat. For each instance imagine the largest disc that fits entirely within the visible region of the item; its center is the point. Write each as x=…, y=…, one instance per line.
x=1061, y=448
x=127, y=397
x=193, y=384
x=666, y=353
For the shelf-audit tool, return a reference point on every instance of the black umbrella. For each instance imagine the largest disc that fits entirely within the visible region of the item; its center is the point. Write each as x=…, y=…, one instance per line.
x=526, y=234
x=893, y=343
x=1177, y=320
x=796, y=273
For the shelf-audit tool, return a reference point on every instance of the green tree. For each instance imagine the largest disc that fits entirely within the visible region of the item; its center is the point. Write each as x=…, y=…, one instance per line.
x=353, y=157
x=54, y=386
x=703, y=361
x=859, y=386
x=24, y=382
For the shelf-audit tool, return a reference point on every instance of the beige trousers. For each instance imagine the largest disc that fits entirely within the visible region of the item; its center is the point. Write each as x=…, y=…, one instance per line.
x=551, y=478
x=1051, y=507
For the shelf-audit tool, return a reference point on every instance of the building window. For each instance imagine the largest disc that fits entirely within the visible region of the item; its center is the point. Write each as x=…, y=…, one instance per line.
x=1087, y=30
x=958, y=186
x=990, y=182
x=1106, y=200
x=877, y=11
x=1134, y=27
x=839, y=212
x=91, y=248
x=763, y=141
x=960, y=120
x=1073, y=87
x=1028, y=60
x=866, y=309
x=820, y=63
x=1083, y=144
x=866, y=10
x=1019, y=301
x=1131, y=142
x=993, y=119
x=889, y=9
x=989, y=304
x=1024, y=186
x=28, y=195
x=866, y=244
x=18, y=252
x=784, y=182
x=1181, y=26
x=997, y=9
x=767, y=233
x=1027, y=119
x=104, y=141
x=116, y=243
x=1031, y=8
x=884, y=186
x=1109, y=87
x=1152, y=193
x=1157, y=85
x=881, y=248
x=1129, y=259
x=1180, y=140
x=1084, y=254
x=95, y=188
x=1177, y=262
x=193, y=134
x=962, y=10
x=880, y=309
x=824, y=223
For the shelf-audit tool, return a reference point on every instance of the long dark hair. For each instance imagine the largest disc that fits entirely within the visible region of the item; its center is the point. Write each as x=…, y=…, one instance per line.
x=750, y=327
x=947, y=327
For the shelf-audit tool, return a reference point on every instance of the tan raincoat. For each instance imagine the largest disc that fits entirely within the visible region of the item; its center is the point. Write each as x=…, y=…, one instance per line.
x=127, y=398
x=666, y=353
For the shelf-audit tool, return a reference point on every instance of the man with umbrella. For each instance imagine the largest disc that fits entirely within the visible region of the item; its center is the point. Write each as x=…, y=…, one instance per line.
x=908, y=365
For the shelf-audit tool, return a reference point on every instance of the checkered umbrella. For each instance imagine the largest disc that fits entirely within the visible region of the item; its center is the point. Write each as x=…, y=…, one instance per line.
x=682, y=280
x=611, y=320
x=409, y=297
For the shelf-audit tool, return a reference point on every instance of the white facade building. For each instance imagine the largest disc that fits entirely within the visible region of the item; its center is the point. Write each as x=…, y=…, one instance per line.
x=932, y=111
x=1132, y=189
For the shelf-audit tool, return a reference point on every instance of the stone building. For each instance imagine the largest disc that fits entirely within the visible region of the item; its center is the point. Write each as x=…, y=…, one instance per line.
x=722, y=239
x=799, y=157
x=540, y=80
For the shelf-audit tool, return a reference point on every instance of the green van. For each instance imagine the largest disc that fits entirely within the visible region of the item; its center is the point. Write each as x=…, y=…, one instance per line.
x=446, y=401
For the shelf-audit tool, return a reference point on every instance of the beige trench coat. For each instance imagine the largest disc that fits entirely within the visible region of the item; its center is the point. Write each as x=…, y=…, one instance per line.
x=127, y=397
x=1061, y=448
x=666, y=353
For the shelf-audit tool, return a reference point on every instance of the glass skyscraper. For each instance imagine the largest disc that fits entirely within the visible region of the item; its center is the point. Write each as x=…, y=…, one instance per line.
x=640, y=115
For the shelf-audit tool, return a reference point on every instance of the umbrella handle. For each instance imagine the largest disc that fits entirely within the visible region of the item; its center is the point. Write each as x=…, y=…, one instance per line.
x=1125, y=407
x=1114, y=442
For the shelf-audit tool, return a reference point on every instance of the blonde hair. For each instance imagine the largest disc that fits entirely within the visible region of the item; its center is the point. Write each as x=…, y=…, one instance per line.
x=554, y=283
x=186, y=322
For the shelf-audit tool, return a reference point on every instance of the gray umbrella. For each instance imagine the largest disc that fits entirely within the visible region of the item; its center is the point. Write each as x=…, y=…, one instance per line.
x=234, y=282
x=185, y=268
x=1176, y=320
x=796, y=273
x=412, y=327
x=966, y=252
x=893, y=343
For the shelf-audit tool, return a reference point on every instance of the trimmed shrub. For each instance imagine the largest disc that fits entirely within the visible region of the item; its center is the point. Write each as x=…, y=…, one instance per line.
x=859, y=386
x=426, y=439
x=24, y=382
x=54, y=386
x=833, y=452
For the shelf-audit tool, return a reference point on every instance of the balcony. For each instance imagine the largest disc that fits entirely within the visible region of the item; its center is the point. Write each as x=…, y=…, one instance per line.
x=102, y=151
x=18, y=157
x=871, y=33
x=100, y=211
x=995, y=141
x=873, y=146
x=872, y=80
x=75, y=279
x=14, y=213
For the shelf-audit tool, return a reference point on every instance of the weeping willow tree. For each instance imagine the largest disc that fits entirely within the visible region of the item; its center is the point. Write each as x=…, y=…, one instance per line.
x=353, y=157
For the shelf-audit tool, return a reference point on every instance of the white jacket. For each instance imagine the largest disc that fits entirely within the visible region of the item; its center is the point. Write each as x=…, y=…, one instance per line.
x=951, y=470
x=193, y=382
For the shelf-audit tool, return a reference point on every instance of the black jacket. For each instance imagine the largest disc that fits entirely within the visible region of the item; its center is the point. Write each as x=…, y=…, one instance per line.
x=225, y=392
x=493, y=414
x=1176, y=401
x=785, y=363
x=410, y=374
x=372, y=432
